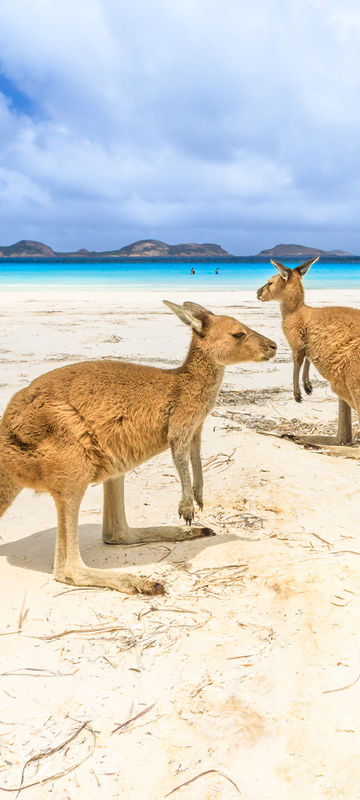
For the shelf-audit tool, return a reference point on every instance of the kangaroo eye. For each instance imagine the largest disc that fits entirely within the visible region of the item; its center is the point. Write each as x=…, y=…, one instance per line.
x=239, y=335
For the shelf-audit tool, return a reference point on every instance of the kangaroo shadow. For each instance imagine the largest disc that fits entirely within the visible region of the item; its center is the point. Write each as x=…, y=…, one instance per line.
x=36, y=551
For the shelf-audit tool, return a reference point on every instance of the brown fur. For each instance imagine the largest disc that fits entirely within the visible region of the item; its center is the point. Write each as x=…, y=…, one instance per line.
x=328, y=337
x=92, y=422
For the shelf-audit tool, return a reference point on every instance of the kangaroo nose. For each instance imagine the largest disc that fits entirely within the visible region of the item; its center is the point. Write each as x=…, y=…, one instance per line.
x=273, y=346
x=258, y=294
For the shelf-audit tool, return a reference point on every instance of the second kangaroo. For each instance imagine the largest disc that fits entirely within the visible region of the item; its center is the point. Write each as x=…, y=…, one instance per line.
x=329, y=337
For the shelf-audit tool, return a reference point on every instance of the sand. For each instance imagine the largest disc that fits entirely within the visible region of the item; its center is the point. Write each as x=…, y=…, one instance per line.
x=248, y=669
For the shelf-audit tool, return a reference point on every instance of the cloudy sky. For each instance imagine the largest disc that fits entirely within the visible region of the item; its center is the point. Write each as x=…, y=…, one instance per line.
x=223, y=121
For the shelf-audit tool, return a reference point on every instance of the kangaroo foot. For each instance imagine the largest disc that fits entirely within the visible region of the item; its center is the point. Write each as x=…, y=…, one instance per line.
x=161, y=533
x=186, y=510
x=111, y=579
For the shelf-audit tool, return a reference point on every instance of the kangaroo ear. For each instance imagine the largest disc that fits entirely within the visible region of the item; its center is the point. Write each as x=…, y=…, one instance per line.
x=197, y=309
x=303, y=268
x=187, y=316
x=284, y=271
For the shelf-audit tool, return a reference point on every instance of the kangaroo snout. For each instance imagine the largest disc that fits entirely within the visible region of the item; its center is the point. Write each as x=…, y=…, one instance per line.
x=259, y=294
x=270, y=350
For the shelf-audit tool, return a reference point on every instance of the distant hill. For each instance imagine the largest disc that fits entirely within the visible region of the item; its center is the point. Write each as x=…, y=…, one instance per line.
x=145, y=248
x=26, y=248
x=153, y=248
x=299, y=251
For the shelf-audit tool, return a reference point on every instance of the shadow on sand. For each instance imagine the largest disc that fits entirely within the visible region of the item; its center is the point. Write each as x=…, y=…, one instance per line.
x=36, y=551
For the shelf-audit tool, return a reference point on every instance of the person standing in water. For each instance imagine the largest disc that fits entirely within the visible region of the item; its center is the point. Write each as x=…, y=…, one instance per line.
x=192, y=271
x=217, y=271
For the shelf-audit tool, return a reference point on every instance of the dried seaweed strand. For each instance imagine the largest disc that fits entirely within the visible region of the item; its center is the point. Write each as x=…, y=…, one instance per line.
x=210, y=570
x=81, y=589
x=35, y=672
x=22, y=613
x=200, y=775
x=165, y=609
x=51, y=752
x=218, y=460
x=341, y=688
x=208, y=616
x=132, y=719
x=321, y=539
x=85, y=629
x=191, y=627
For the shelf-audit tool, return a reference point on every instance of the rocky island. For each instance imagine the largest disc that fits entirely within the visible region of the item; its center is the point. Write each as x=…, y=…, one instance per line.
x=144, y=248
x=299, y=251
x=156, y=250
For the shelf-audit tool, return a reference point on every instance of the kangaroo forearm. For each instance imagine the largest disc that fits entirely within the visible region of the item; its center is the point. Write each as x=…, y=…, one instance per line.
x=306, y=370
x=296, y=373
x=306, y=377
x=180, y=453
x=180, y=456
x=197, y=467
x=195, y=457
x=296, y=384
x=298, y=358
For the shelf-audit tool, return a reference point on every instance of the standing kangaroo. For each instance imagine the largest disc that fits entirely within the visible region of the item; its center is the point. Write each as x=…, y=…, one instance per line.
x=287, y=288
x=328, y=337
x=92, y=422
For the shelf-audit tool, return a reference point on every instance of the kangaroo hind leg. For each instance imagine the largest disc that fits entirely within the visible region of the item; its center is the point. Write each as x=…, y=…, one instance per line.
x=116, y=530
x=8, y=490
x=69, y=566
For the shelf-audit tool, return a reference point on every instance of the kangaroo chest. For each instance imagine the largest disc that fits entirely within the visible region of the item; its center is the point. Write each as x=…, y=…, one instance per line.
x=296, y=332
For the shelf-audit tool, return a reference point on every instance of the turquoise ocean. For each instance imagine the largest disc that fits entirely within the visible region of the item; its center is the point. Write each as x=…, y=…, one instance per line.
x=233, y=275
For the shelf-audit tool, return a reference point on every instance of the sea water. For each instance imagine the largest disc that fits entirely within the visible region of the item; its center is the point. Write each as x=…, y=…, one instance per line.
x=209, y=276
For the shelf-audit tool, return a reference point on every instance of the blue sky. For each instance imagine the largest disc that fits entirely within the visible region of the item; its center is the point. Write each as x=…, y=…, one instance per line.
x=192, y=120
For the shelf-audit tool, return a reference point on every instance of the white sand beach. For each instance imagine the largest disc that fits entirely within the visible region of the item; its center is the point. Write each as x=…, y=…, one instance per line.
x=244, y=676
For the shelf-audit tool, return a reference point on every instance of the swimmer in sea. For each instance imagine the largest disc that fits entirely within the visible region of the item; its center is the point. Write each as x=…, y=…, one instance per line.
x=192, y=271
x=217, y=271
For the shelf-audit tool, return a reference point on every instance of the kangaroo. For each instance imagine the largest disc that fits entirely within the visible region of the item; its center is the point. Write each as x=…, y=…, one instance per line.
x=94, y=421
x=328, y=337
x=291, y=302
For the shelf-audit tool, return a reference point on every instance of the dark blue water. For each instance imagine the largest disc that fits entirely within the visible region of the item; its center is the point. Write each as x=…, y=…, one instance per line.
x=176, y=275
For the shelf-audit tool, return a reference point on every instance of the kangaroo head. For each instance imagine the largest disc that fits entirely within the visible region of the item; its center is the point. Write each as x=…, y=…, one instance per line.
x=223, y=339
x=287, y=282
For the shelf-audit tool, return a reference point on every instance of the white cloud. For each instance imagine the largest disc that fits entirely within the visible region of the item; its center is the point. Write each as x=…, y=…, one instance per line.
x=180, y=120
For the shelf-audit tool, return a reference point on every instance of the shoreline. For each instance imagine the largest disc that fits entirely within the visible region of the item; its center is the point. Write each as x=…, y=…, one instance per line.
x=326, y=295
